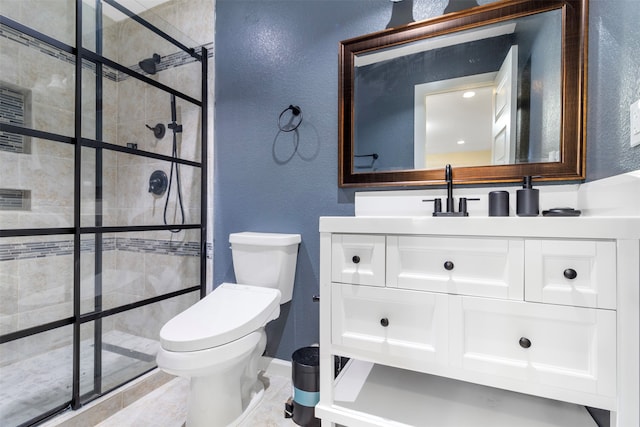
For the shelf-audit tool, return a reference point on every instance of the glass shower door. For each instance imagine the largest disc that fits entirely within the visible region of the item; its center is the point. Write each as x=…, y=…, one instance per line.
x=92, y=264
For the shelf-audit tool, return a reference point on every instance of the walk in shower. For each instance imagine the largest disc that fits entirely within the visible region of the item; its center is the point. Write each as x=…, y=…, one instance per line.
x=92, y=262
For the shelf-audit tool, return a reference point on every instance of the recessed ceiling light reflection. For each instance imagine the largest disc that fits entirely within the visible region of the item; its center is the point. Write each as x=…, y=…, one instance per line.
x=460, y=141
x=469, y=94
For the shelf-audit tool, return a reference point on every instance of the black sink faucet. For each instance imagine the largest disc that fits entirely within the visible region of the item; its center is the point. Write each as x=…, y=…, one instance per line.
x=448, y=176
x=437, y=206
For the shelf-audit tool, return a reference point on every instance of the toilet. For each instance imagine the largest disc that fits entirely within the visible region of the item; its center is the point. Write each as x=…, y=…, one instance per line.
x=217, y=342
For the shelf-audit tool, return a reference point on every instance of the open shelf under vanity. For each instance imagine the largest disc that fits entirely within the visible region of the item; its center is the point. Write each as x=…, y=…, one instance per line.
x=412, y=398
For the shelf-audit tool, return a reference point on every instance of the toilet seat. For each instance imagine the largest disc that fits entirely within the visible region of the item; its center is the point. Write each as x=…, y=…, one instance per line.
x=228, y=313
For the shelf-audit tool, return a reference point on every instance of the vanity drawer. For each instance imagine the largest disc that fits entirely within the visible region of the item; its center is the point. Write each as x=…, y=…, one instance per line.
x=580, y=273
x=358, y=259
x=567, y=347
x=390, y=326
x=468, y=266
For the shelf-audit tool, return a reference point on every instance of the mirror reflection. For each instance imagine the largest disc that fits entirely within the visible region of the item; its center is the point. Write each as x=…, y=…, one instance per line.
x=491, y=95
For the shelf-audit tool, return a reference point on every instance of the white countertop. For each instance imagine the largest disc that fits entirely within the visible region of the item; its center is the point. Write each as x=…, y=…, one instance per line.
x=610, y=210
x=540, y=226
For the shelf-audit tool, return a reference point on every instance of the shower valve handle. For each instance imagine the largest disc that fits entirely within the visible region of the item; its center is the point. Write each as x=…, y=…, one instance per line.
x=158, y=130
x=158, y=183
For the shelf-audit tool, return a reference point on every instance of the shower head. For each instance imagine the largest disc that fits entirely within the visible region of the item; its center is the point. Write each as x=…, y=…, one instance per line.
x=149, y=65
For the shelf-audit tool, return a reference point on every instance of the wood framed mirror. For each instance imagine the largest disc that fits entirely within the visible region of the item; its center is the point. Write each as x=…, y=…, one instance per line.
x=405, y=97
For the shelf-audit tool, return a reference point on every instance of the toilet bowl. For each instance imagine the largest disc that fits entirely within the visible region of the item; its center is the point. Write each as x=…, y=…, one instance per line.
x=217, y=342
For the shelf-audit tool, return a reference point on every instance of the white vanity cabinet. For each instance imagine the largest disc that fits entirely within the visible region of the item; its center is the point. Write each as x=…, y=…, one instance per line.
x=572, y=272
x=358, y=259
x=548, y=350
x=491, y=267
x=472, y=301
x=408, y=327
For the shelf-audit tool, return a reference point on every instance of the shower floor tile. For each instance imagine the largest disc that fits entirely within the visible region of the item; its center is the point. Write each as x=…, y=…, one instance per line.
x=31, y=386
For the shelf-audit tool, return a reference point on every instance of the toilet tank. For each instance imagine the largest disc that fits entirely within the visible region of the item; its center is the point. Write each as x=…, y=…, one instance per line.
x=266, y=259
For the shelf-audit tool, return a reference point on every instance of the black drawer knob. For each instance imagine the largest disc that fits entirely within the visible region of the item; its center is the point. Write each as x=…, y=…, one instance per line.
x=570, y=273
x=384, y=322
x=525, y=342
x=355, y=259
x=448, y=265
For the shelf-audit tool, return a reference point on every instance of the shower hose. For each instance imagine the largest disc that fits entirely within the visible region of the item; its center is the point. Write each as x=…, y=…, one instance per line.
x=174, y=155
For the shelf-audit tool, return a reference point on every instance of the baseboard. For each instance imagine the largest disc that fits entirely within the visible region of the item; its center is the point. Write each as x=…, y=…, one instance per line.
x=273, y=366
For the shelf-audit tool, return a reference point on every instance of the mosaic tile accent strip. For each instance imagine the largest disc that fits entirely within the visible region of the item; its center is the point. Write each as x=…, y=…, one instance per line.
x=28, y=41
x=159, y=247
x=172, y=60
x=31, y=250
x=45, y=48
x=167, y=62
x=15, y=200
x=13, y=111
x=89, y=245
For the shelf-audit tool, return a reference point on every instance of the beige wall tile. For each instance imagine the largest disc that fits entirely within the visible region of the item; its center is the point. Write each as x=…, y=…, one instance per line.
x=56, y=18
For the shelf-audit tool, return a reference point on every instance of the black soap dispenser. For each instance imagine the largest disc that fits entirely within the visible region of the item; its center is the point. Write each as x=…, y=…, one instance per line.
x=527, y=199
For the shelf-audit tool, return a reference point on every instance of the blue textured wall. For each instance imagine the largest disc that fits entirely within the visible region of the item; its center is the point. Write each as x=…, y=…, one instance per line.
x=614, y=84
x=272, y=53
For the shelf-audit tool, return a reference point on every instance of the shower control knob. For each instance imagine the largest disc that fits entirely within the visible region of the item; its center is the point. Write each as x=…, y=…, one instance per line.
x=384, y=322
x=355, y=259
x=158, y=183
x=158, y=130
x=448, y=265
x=524, y=342
x=570, y=273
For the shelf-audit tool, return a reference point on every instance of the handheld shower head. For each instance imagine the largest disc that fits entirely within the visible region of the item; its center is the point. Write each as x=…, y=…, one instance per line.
x=149, y=65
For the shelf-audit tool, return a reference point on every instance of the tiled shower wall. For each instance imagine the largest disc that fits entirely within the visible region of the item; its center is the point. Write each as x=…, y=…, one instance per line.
x=36, y=272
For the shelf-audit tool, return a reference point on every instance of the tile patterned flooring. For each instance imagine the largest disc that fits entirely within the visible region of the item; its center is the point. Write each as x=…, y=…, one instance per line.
x=166, y=407
x=165, y=404
x=156, y=399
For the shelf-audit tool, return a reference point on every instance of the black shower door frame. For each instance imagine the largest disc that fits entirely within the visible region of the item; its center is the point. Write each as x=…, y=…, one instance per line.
x=76, y=399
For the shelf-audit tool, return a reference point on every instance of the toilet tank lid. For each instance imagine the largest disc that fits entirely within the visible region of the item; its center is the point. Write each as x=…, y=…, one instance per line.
x=264, y=239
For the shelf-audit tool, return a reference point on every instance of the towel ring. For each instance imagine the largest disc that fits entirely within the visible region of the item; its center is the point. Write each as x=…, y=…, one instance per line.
x=292, y=125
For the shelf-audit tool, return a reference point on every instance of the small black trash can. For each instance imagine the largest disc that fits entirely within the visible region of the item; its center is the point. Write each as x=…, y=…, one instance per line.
x=305, y=370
